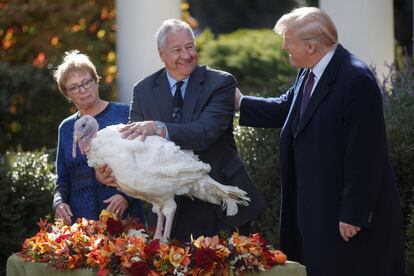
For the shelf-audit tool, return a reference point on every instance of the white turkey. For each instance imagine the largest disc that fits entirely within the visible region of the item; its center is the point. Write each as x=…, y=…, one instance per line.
x=154, y=170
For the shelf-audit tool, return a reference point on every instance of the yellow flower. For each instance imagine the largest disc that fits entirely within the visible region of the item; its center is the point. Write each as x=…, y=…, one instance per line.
x=179, y=256
x=105, y=215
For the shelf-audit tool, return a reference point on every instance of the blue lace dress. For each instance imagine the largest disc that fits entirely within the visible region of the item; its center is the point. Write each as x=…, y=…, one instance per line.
x=76, y=183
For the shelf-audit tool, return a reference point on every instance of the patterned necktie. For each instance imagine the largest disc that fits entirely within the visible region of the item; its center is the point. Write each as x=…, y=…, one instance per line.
x=178, y=103
x=306, y=95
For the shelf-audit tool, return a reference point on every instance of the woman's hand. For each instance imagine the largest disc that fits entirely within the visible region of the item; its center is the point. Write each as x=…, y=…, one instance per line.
x=104, y=175
x=63, y=212
x=117, y=204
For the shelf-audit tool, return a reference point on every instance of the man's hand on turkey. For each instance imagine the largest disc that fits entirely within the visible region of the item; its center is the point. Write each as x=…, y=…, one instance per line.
x=135, y=129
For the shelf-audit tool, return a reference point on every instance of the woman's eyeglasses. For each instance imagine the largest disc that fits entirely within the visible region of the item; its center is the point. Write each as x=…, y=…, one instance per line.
x=75, y=89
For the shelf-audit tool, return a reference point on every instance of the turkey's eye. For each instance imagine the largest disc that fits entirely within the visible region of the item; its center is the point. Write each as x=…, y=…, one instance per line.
x=83, y=125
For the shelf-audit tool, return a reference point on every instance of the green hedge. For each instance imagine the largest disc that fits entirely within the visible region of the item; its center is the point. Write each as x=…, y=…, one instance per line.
x=26, y=192
x=399, y=116
x=31, y=106
x=254, y=57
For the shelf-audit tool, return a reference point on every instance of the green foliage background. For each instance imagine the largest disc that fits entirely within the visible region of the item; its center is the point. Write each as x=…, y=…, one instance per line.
x=254, y=57
x=34, y=36
x=26, y=187
x=31, y=107
x=230, y=15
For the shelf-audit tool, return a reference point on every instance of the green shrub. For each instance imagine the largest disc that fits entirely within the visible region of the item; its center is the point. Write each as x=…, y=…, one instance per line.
x=254, y=57
x=399, y=116
x=259, y=150
x=31, y=106
x=220, y=15
x=26, y=188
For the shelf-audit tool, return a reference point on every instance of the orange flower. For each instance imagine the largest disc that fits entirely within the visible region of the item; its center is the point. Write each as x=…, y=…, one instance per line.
x=280, y=257
x=179, y=256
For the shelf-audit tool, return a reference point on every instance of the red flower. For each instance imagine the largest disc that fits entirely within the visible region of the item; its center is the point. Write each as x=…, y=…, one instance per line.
x=139, y=269
x=270, y=260
x=151, y=249
x=114, y=227
x=205, y=258
x=63, y=237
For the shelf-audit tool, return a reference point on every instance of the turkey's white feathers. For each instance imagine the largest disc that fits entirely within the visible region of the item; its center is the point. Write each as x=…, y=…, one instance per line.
x=155, y=170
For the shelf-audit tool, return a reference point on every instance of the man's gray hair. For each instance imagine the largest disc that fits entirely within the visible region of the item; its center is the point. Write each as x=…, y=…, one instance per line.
x=171, y=25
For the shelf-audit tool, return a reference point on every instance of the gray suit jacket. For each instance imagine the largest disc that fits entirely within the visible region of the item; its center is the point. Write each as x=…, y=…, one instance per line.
x=207, y=129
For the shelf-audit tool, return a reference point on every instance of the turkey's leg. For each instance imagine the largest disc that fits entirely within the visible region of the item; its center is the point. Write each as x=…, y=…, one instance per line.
x=169, y=211
x=168, y=225
x=160, y=222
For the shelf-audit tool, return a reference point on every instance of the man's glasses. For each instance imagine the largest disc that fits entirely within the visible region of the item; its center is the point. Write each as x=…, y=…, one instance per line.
x=75, y=89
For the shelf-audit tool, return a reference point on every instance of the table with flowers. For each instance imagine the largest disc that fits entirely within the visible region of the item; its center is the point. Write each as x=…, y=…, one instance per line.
x=17, y=267
x=110, y=246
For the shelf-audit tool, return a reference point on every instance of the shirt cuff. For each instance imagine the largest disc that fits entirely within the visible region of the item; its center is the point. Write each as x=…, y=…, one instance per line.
x=163, y=125
x=240, y=102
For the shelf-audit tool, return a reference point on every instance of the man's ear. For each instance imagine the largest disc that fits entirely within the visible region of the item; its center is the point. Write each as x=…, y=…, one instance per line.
x=312, y=47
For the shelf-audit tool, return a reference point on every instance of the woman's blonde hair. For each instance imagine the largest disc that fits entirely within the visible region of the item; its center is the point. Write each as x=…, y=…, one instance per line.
x=309, y=24
x=73, y=62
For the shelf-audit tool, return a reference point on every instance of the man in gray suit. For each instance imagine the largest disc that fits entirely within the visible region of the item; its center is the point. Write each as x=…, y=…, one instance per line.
x=193, y=106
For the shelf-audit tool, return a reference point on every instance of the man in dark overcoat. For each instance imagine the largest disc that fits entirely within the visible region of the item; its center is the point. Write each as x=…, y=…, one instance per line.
x=340, y=209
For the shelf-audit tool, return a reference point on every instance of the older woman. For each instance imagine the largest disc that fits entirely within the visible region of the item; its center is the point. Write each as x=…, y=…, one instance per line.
x=78, y=193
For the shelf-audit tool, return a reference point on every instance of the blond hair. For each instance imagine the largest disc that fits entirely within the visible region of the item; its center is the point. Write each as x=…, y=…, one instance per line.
x=73, y=62
x=309, y=24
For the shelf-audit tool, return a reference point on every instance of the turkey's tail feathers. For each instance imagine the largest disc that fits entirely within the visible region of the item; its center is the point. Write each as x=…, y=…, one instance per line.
x=228, y=196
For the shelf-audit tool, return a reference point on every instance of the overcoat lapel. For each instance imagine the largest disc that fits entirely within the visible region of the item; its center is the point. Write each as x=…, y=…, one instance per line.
x=322, y=89
x=192, y=93
x=163, y=97
x=297, y=89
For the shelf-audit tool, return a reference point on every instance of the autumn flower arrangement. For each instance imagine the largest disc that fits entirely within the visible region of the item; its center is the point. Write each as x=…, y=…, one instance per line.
x=125, y=247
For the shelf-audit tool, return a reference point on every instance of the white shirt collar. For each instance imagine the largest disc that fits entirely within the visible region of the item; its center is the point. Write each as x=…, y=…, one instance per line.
x=320, y=67
x=172, y=82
